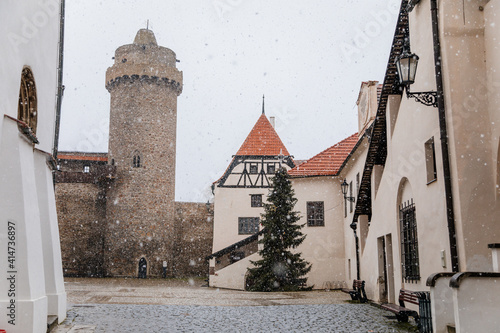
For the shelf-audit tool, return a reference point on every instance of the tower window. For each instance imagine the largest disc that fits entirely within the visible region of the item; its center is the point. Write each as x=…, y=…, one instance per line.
x=136, y=160
x=27, y=109
x=86, y=168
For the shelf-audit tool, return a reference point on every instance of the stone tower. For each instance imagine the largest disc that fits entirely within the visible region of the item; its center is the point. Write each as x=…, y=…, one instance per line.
x=144, y=84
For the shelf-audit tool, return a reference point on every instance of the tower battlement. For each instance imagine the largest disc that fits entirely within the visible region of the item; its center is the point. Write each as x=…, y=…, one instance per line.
x=144, y=61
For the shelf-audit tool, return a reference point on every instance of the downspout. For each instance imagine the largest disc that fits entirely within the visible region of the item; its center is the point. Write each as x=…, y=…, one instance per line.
x=444, y=139
x=60, y=87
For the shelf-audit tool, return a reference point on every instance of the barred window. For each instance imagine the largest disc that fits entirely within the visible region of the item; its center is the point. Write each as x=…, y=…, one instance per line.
x=409, y=242
x=315, y=214
x=136, y=159
x=256, y=200
x=248, y=225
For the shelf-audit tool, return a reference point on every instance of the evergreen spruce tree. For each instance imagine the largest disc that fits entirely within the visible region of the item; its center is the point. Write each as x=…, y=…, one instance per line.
x=280, y=269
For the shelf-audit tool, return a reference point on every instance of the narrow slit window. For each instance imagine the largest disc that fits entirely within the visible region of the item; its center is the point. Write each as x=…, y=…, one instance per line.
x=430, y=160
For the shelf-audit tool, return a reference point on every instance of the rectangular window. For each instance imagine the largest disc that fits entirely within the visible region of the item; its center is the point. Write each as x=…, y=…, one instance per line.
x=248, y=225
x=253, y=168
x=256, y=200
x=409, y=242
x=315, y=214
x=351, y=202
x=357, y=183
x=86, y=168
x=430, y=160
x=271, y=168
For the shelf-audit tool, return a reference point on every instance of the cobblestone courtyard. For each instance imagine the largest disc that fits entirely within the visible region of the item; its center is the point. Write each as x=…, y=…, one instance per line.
x=132, y=305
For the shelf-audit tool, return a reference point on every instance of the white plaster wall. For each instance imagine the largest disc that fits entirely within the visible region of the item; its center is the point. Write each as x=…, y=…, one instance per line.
x=475, y=307
x=30, y=38
x=442, y=305
x=233, y=276
x=323, y=246
x=469, y=63
x=229, y=205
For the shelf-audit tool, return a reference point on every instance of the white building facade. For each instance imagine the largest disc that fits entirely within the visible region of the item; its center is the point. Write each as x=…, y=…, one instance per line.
x=32, y=288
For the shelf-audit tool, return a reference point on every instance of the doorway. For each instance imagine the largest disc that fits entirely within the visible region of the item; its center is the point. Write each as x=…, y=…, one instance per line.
x=143, y=268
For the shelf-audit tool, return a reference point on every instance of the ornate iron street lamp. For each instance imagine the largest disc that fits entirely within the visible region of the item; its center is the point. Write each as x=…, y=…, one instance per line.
x=344, y=187
x=406, y=65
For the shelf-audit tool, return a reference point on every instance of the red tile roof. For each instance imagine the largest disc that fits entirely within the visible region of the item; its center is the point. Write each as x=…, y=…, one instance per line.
x=100, y=157
x=328, y=162
x=263, y=141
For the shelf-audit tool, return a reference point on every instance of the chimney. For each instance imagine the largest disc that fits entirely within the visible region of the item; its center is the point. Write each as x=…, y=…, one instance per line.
x=272, y=121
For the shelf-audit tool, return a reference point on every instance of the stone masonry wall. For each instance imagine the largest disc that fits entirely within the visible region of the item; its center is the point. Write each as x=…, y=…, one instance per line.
x=194, y=235
x=81, y=217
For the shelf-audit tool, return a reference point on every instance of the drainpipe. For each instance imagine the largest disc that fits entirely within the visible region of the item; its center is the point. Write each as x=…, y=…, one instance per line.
x=444, y=138
x=354, y=227
x=60, y=87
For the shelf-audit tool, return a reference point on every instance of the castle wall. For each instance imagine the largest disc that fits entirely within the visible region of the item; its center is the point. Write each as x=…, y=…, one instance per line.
x=81, y=227
x=193, y=242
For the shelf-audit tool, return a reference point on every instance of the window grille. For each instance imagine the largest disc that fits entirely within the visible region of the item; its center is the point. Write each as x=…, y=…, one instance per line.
x=136, y=160
x=409, y=242
x=315, y=214
x=248, y=225
x=256, y=200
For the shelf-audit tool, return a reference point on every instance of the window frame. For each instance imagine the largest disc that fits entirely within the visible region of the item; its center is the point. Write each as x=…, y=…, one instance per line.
x=253, y=168
x=248, y=225
x=254, y=202
x=410, y=261
x=315, y=213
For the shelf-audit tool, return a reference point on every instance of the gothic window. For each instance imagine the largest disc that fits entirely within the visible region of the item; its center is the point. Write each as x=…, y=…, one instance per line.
x=256, y=200
x=248, y=225
x=136, y=160
x=315, y=214
x=409, y=242
x=27, y=109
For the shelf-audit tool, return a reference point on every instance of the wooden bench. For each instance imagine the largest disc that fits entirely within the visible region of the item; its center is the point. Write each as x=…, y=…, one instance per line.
x=402, y=313
x=358, y=291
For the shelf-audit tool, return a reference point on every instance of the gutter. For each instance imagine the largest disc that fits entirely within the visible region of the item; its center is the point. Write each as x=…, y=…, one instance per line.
x=444, y=139
x=60, y=87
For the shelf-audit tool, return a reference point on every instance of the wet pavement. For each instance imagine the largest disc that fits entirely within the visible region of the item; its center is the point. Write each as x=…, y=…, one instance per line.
x=133, y=305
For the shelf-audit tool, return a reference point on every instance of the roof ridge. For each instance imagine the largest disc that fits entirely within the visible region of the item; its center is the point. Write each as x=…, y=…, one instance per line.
x=322, y=157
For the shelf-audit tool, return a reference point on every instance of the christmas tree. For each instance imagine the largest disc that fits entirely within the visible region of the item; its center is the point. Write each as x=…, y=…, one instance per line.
x=280, y=269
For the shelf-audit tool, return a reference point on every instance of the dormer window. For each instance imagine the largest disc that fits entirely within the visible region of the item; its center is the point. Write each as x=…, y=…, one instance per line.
x=136, y=160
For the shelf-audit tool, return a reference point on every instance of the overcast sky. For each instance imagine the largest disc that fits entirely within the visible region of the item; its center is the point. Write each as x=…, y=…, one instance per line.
x=307, y=57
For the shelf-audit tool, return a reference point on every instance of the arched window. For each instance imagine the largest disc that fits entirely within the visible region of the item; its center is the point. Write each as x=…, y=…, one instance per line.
x=136, y=160
x=409, y=234
x=27, y=109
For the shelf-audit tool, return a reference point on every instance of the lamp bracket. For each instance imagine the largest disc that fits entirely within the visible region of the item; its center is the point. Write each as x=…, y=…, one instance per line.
x=428, y=98
x=351, y=199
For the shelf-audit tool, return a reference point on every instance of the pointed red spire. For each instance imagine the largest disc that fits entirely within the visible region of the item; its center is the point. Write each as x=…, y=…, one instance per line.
x=263, y=141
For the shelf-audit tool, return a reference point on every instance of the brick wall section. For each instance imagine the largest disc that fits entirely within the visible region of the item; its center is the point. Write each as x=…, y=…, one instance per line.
x=194, y=235
x=81, y=216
